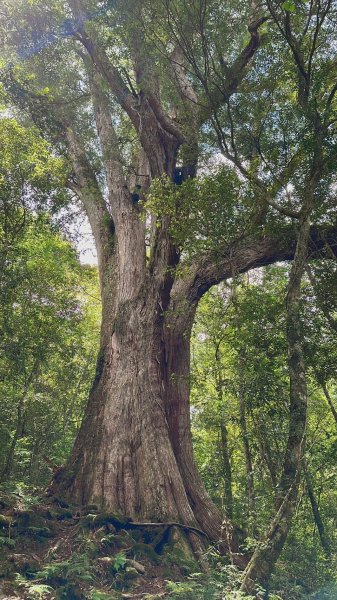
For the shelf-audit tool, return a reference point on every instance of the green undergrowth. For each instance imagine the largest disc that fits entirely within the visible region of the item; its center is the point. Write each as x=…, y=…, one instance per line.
x=59, y=552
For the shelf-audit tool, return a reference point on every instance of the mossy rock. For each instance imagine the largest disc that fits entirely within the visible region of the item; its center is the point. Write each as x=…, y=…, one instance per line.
x=39, y=532
x=22, y=563
x=6, y=568
x=29, y=518
x=6, y=520
x=179, y=552
x=147, y=551
x=117, y=521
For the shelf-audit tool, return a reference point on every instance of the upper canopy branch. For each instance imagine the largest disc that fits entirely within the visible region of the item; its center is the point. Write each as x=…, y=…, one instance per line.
x=87, y=189
x=112, y=160
x=303, y=58
x=233, y=75
x=249, y=253
x=133, y=106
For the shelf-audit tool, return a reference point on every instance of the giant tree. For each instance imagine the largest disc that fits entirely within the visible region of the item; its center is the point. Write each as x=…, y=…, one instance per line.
x=158, y=86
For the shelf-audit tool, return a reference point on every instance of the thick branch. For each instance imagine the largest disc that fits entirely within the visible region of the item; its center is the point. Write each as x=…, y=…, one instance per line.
x=113, y=76
x=118, y=195
x=87, y=189
x=101, y=224
x=233, y=75
x=249, y=253
x=133, y=106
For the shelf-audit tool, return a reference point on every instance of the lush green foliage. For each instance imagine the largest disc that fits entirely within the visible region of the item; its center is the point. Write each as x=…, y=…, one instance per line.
x=205, y=214
x=239, y=362
x=49, y=314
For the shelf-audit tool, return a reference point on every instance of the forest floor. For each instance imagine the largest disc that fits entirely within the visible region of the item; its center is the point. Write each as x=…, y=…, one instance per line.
x=53, y=551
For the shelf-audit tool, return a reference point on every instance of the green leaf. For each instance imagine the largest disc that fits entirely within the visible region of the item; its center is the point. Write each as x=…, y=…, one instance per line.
x=119, y=561
x=289, y=6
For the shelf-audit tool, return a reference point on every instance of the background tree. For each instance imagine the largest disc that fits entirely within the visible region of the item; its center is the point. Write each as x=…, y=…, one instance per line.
x=308, y=557
x=46, y=349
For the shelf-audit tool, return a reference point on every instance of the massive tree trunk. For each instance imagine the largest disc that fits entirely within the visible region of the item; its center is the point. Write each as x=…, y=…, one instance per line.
x=134, y=454
x=123, y=459
x=177, y=388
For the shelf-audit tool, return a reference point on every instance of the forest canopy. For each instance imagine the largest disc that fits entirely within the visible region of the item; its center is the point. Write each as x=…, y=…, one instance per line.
x=198, y=141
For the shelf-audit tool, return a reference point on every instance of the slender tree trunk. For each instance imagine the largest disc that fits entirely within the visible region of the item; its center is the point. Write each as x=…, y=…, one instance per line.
x=267, y=552
x=20, y=423
x=228, y=494
x=329, y=401
x=316, y=514
x=247, y=452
